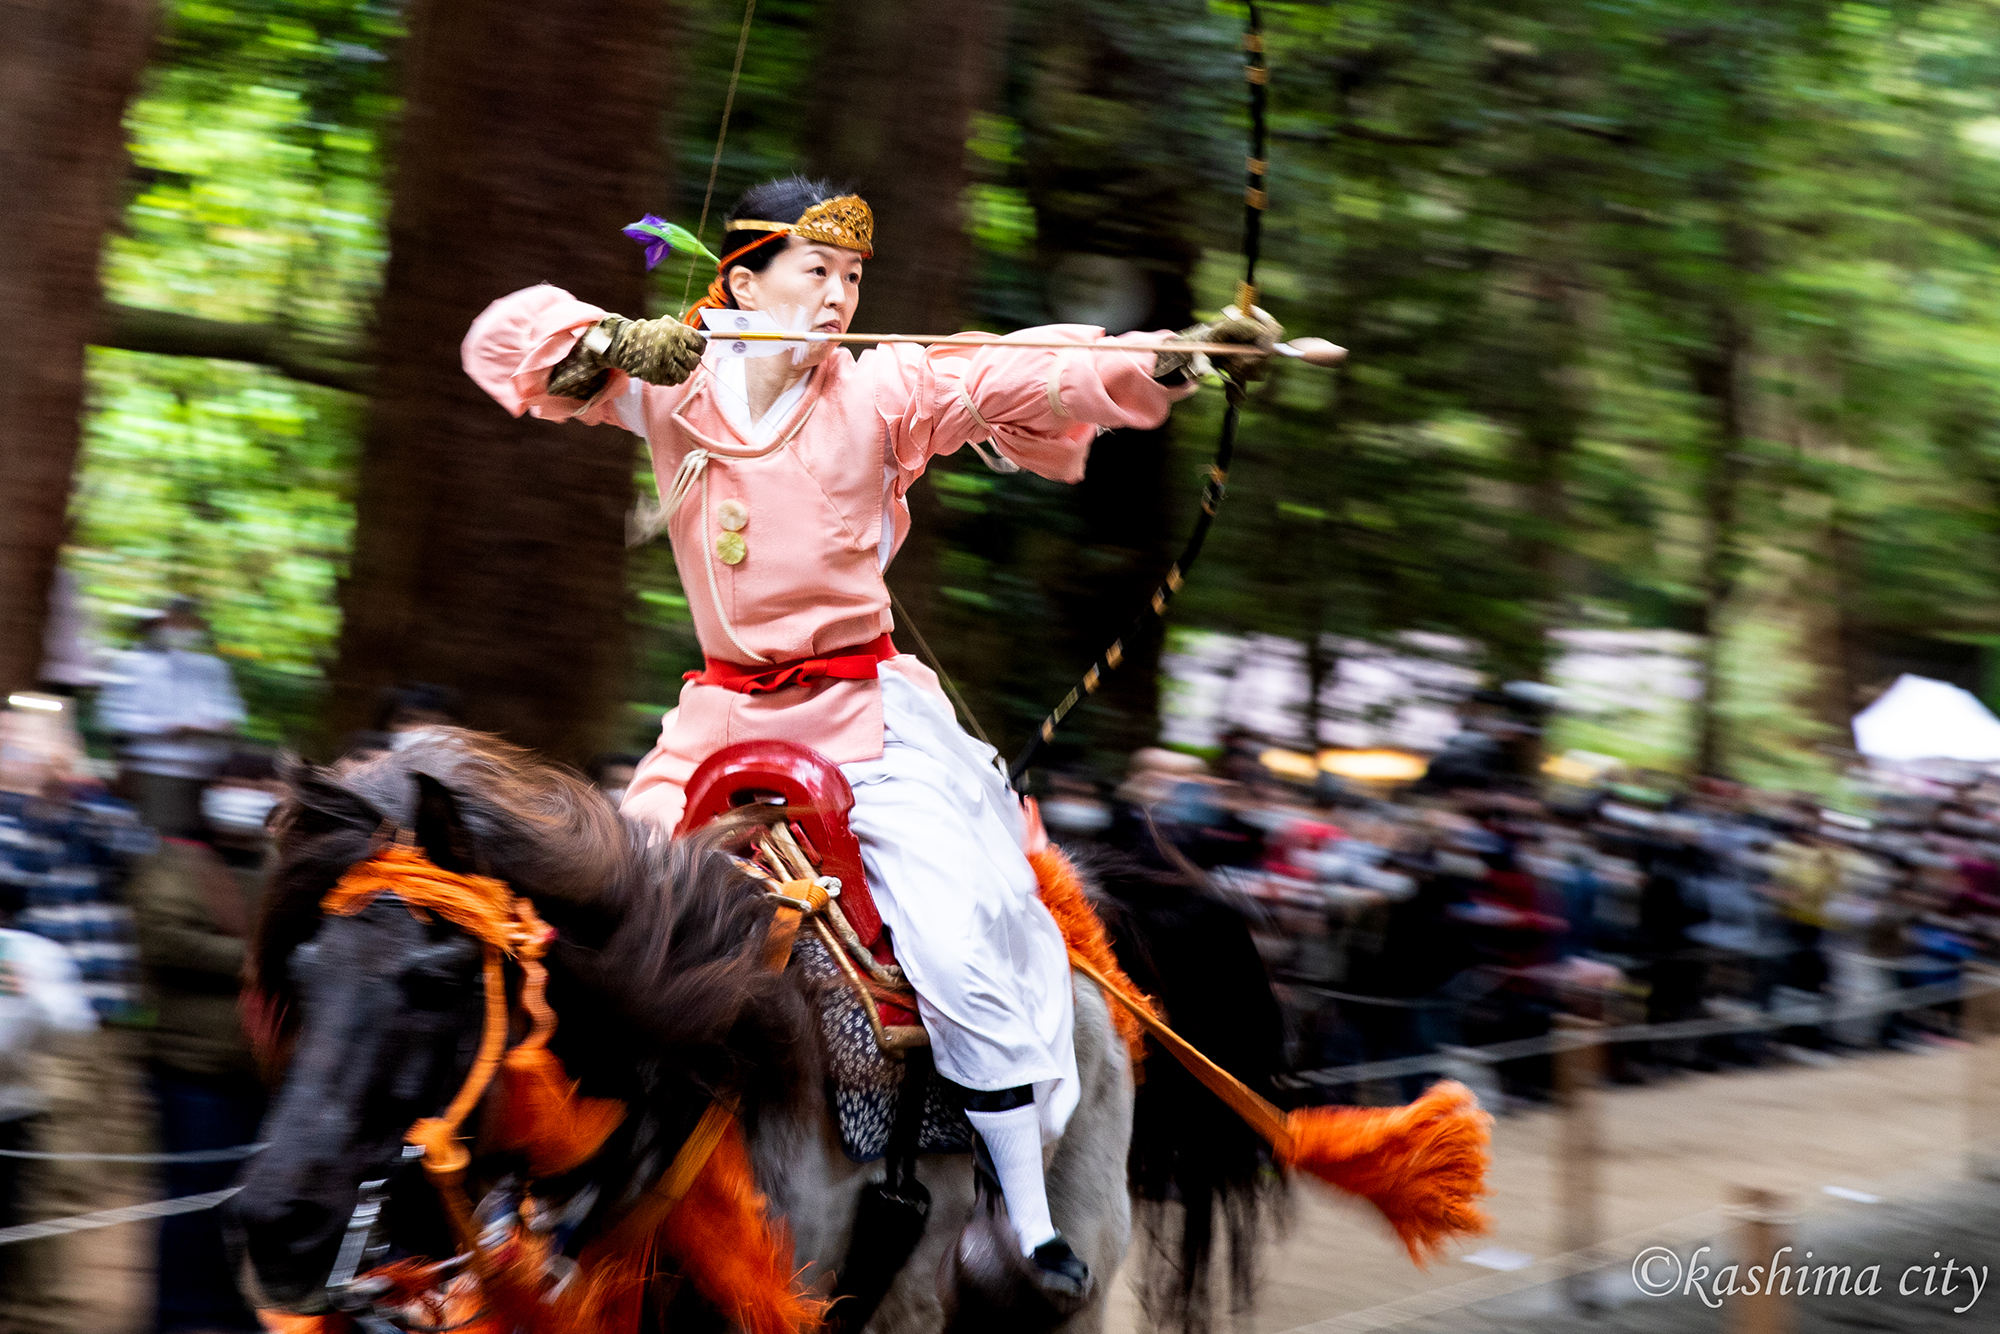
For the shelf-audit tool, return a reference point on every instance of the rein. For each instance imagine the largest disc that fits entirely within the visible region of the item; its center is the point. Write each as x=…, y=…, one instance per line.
x=507, y=926
x=569, y=1128
x=555, y=1127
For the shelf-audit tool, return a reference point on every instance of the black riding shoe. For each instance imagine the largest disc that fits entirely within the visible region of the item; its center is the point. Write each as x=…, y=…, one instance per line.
x=987, y=1286
x=1060, y=1272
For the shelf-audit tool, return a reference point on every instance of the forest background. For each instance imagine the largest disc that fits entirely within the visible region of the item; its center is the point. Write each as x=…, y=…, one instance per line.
x=1663, y=314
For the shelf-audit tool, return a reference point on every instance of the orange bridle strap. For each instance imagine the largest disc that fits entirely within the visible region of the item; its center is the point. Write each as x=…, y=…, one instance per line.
x=477, y=904
x=508, y=927
x=502, y=921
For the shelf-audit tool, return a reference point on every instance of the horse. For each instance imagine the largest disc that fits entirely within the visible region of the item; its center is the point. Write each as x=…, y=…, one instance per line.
x=657, y=976
x=462, y=942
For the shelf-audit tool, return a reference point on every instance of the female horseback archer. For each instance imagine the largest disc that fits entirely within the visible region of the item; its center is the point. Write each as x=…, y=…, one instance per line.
x=783, y=483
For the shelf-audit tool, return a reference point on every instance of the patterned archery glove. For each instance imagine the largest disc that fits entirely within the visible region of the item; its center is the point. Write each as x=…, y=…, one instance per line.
x=657, y=351
x=663, y=351
x=580, y=374
x=1257, y=331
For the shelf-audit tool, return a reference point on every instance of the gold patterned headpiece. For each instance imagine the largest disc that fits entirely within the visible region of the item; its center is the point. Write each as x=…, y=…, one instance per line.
x=846, y=222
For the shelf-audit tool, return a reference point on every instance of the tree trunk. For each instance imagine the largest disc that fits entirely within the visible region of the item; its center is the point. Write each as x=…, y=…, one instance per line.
x=907, y=80
x=1549, y=432
x=1836, y=631
x=1528, y=373
x=67, y=70
x=1719, y=373
x=1108, y=203
x=1831, y=584
x=1321, y=666
x=910, y=78
x=488, y=551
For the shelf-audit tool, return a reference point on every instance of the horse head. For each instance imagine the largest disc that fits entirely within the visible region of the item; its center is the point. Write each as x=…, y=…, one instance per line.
x=381, y=1010
x=376, y=1009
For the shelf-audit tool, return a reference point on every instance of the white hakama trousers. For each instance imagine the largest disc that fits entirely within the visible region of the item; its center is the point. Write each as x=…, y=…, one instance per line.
x=940, y=838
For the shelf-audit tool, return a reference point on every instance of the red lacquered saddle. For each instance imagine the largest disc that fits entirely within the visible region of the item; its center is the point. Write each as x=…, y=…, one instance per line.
x=819, y=798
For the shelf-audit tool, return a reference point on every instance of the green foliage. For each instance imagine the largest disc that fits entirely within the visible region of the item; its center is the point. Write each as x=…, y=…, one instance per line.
x=1664, y=313
x=255, y=197
x=230, y=484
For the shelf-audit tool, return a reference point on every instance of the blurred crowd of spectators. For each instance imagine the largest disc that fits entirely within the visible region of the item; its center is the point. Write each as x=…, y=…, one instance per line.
x=1474, y=905
x=1466, y=908
x=128, y=891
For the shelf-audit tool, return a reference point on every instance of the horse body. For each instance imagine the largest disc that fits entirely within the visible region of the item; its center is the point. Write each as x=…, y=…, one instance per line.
x=665, y=1003
x=817, y=1188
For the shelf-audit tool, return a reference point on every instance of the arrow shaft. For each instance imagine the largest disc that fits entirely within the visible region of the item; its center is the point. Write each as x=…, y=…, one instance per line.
x=962, y=340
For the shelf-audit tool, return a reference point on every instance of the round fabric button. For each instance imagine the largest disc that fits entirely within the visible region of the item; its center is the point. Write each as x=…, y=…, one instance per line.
x=730, y=548
x=732, y=514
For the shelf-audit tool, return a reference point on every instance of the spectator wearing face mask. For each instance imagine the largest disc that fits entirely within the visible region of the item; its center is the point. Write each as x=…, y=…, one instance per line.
x=196, y=902
x=66, y=848
x=173, y=708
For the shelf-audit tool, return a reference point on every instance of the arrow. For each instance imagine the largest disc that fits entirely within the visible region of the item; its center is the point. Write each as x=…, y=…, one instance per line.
x=1312, y=351
x=732, y=332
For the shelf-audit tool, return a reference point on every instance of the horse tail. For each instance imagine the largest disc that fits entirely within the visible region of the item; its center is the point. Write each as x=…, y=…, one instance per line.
x=1200, y=1176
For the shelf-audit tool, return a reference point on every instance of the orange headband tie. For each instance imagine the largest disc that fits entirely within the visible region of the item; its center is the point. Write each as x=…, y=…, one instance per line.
x=845, y=222
x=717, y=297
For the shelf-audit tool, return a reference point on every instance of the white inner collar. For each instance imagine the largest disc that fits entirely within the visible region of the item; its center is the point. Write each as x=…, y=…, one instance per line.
x=734, y=399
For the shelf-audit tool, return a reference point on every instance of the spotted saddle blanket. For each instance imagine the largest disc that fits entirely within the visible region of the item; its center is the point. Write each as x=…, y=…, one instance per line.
x=864, y=1082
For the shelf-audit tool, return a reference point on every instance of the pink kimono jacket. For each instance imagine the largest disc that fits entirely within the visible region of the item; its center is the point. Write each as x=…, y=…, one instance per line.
x=813, y=507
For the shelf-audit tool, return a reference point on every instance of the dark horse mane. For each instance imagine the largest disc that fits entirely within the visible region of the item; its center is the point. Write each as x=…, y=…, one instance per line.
x=1201, y=1179
x=657, y=967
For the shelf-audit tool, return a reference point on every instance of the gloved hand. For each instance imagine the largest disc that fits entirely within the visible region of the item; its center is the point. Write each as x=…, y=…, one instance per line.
x=661, y=351
x=1257, y=331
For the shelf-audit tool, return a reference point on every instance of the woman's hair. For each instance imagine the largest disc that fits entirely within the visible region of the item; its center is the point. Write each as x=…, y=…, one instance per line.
x=783, y=200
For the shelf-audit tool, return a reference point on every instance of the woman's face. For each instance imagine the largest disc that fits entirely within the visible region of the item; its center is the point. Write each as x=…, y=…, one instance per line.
x=808, y=285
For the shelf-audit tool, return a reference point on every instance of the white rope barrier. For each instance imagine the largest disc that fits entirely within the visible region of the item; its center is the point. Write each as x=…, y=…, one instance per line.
x=1445, y=1058
x=133, y=1213
x=234, y=1153
x=1795, y=1016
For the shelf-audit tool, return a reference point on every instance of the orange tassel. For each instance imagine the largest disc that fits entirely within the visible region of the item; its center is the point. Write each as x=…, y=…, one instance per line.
x=1422, y=1165
x=542, y=1115
x=278, y=1322
x=1083, y=931
x=730, y=1250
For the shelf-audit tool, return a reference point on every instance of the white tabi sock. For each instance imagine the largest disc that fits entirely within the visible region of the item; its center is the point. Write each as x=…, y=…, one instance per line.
x=1014, y=1139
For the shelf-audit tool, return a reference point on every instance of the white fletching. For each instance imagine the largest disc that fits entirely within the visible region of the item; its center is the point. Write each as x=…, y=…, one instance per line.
x=722, y=325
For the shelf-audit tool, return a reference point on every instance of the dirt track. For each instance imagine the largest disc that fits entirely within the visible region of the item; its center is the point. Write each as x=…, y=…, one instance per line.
x=1890, y=1125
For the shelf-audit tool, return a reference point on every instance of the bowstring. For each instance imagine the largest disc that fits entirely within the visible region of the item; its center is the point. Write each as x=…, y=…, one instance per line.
x=721, y=137
x=1257, y=75
x=904, y=621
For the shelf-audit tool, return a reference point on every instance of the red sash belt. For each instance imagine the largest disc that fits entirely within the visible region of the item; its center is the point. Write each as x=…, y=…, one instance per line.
x=847, y=664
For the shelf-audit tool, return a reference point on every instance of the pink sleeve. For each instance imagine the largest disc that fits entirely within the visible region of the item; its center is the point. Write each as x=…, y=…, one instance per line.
x=1041, y=407
x=516, y=341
